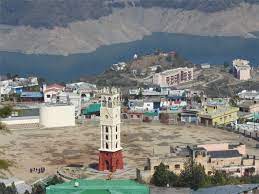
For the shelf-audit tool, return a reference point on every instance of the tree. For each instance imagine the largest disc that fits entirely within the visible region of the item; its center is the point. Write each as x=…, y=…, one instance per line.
x=197, y=99
x=55, y=180
x=158, y=69
x=172, y=179
x=126, y=101
x=38, y=189
x=193, y=175
x=8, y=190
x=6, y=111
x=219, y=178
x=161, y=176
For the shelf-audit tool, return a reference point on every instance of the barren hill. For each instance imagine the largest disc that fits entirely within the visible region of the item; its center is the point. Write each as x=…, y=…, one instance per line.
x=78, y=26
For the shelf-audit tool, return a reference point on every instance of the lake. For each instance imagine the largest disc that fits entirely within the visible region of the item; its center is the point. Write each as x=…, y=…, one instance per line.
x=198, y=49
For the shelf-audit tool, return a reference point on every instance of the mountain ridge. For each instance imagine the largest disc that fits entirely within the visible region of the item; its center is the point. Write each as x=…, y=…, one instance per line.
x=62, y=12
x=129, y=24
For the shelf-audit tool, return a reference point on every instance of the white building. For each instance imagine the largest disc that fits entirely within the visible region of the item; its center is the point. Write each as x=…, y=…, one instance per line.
x=51, y=92
x=57, y=115
x=241, y=69
x=248, y=95
x=70, y=98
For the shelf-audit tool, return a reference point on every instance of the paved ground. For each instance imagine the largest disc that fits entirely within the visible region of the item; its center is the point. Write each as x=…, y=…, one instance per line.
x=53, y=148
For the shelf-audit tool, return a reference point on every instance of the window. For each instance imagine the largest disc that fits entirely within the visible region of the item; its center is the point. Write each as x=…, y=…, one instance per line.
x=116, y=129
x=107, y=146
x=106, y=137
x=106, y=129
x=116, y=145
x=48, y=96
x=116, y=136
x=177, y=166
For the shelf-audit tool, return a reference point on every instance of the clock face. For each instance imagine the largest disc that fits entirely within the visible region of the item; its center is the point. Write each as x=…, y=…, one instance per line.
x=106, y=116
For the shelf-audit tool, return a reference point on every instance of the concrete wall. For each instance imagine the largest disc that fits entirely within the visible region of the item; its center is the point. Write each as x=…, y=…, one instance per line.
x=20, y=120
x=214, y=147
x=57, y=115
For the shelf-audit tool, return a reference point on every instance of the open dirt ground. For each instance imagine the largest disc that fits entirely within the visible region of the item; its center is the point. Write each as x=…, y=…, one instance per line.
x=53, y=148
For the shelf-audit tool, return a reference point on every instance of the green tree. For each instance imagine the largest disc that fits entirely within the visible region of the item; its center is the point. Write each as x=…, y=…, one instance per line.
x=158, y=69
x=38, y=189
x=6, y=111
x=55, y=180
x=193, y=175
x=172, y=179
x=219, y=178
x=161, y=176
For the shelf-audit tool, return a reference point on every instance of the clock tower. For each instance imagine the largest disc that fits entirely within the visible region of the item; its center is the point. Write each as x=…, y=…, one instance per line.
x=110, y=156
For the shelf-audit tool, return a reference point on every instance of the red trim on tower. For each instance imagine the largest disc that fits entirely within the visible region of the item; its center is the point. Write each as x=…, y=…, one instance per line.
x=110, y=161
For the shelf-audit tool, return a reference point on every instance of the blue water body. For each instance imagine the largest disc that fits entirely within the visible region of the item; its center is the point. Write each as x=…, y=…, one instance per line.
x=198, y=49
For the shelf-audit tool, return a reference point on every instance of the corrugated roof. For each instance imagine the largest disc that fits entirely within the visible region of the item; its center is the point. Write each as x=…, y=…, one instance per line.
x=151, y=114
x=224, y=154
x=99, y=187
x=92, y=108
x=31, y=95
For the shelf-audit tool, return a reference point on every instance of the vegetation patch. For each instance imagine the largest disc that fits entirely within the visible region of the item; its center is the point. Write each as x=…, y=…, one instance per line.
x=193, y=176
x=4, y=164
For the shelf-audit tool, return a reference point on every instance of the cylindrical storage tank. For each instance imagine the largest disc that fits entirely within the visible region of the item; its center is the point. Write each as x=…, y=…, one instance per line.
x=57, y=116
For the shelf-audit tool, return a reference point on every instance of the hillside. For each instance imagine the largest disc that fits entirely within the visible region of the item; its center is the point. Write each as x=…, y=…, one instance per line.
x=80, y=26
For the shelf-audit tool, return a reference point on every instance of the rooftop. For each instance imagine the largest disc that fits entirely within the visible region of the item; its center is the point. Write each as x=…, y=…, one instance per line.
x=98, y=187
x=224, y=154
x=170, y=71
x=31, y=95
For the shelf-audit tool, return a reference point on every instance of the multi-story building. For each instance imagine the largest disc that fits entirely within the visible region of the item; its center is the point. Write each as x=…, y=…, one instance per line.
x=229, y=158
x=241, y=69
x=173, y=77
x=218, y=114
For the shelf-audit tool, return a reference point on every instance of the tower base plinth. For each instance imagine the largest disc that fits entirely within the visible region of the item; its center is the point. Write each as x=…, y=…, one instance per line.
x=110, y=161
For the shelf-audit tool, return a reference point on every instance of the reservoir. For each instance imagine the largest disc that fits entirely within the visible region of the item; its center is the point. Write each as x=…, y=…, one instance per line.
x=197, y=49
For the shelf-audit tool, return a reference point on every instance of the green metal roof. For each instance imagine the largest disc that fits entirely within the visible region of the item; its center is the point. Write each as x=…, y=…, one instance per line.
x=99, y=187
x=92, y=108
x=151, y=114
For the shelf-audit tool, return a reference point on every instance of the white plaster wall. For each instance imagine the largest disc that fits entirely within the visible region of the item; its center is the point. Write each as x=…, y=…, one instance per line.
x=57, y=115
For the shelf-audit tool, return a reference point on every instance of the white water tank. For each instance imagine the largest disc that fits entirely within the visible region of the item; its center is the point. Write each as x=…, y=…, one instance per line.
x=57, y=115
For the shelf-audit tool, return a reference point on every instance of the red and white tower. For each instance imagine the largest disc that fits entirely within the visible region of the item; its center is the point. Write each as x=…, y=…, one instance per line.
x=110, y=156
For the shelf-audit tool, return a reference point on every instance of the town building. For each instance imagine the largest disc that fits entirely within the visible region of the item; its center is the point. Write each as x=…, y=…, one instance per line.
x=83, y=186
x=249, y=106
x=51, y=92
x=248, y=95
x=189, y=116
x=218, y=113
x=229, y=158
x=57, y=115
x=92, y=110
x=110, y=155
x=32, y=97
x=173, y=77
x=241, y=69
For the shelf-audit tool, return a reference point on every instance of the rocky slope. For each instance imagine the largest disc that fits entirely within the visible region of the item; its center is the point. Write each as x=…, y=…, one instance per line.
x=78, y=26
